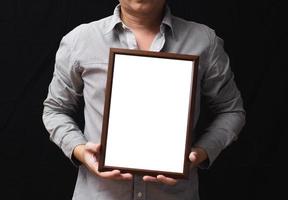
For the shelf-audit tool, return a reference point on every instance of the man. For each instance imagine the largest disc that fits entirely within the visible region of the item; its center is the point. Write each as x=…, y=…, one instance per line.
x=81, y=69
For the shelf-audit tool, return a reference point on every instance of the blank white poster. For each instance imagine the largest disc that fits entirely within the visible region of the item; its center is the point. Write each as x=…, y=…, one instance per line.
x=149, y=113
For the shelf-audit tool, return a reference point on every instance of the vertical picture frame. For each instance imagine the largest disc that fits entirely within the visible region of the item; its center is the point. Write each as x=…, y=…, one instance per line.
x=148, y=113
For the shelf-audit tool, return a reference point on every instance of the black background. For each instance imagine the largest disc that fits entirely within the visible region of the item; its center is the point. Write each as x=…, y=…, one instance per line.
x=255, y=36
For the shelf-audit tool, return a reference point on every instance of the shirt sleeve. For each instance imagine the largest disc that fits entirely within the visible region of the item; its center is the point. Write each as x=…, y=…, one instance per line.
x=62, y=100
x=224, y=100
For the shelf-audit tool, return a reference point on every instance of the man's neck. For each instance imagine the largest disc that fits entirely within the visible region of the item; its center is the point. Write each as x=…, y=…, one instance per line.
x=137, y=21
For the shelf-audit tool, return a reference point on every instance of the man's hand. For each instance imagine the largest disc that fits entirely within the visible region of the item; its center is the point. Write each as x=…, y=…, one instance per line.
x=197, y=156
x=88, y=155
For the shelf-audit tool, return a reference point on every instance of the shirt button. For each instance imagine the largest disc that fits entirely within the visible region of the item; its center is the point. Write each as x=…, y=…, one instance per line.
x=139, y=194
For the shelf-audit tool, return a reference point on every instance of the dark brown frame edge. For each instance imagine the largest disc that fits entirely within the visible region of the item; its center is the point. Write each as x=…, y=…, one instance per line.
x=190, y=121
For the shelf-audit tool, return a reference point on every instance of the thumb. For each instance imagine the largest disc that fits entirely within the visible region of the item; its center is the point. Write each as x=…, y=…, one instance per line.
x=193, y=157
x=92, y=147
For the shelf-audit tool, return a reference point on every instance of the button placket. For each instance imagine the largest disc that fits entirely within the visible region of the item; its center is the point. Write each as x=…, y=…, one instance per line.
x=139, y=195
x=139, y=188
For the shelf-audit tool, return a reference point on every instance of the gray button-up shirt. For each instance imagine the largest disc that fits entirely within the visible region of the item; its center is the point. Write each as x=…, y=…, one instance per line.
x=81, y=70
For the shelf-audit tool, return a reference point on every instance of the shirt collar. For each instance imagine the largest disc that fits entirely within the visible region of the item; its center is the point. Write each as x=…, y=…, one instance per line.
x=167, y=19
x=116, y=19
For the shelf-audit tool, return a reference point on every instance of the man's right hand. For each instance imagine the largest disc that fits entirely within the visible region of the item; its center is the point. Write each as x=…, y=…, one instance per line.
x=88, y=155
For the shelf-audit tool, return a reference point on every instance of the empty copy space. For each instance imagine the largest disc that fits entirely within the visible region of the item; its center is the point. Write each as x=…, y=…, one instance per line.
x=148, y=113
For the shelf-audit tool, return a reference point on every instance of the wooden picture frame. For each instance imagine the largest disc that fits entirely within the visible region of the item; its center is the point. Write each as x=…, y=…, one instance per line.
x=148, y=113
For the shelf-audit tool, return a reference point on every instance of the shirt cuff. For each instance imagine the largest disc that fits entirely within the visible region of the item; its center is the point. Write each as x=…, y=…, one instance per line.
x=211, y=149
x=69, y=147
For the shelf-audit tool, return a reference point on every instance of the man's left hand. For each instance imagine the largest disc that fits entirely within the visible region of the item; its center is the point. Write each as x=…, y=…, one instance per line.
x=197, y=156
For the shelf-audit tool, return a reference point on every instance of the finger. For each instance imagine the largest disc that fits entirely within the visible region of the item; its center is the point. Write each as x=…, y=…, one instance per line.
x=115, y=175
x=150, y=179
x=193, y=156
x=92, y=147
x=166, y=180
x=109, y=174
x=125, y=176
